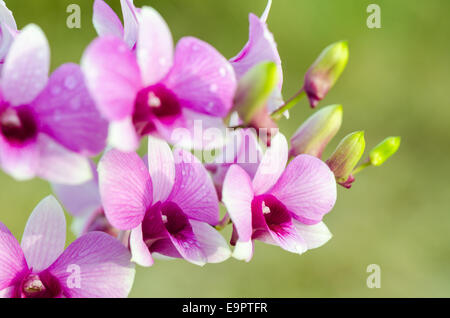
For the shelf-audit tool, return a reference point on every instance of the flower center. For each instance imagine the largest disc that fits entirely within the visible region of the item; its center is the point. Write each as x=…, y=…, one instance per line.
x=268, y=209
x=154, y=101
x=18, y=124
x=43, y=285
x=175, y=221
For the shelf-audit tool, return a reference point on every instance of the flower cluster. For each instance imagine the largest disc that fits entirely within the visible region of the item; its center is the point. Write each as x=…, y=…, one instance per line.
x=133, y=82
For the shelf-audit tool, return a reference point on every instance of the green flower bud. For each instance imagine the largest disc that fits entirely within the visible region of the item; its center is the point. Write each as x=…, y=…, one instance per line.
x=315, y=133
x=347, y=155
x=254, y=90
x=325, y=71
x=384, y=150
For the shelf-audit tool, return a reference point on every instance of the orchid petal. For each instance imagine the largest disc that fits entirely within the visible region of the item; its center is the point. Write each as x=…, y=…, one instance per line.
x=272, y=165
x=69, y=115
x=314, y=235
x=139, y=250
x=103, y=266
x=125, y=188
x=155, y=46
x=112, y=76
x=122, y=135
x=12, y=260
x=25, y=72
x=106, y=22
x=44, y=237
x=307, y=188
x=211, y=242
x=202, y=78
x=131, y=25
x=20, y=161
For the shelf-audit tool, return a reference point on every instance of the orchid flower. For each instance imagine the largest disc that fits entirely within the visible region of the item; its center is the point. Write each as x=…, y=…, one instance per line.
x=8, y=30
x=47, y=126
x=156, y=90
x=106, y=21
x=83, y=203
x=261, y=47
x=95, y=265
x=170, y=205
x=280, y=206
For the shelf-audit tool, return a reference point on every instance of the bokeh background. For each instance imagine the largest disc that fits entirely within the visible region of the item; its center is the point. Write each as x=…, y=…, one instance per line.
x=397, y=83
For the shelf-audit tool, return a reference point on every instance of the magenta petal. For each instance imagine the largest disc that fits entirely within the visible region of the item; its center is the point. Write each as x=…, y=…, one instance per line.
x=307, y=188
x=112, y=76
x=193, y=190
x=12, y=260
x=202, y=78
x=60, y=165
x=272, y=165
x=79, y=200
x=131, y=25
x=237, y=195
x=25, y=73
x=106, y=21
x=44, y=237
x=102, y=264
x=161, y=167
x=155, y=46
x=125, y=188
x=20, y=161
x=69, y=115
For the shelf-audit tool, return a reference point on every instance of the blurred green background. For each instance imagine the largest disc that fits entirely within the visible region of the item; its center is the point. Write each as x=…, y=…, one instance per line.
x=396, y=83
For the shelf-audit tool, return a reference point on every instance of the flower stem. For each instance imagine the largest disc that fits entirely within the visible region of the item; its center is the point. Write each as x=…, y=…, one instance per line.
x=223, y=224
x=361, y=167
x=277, y=114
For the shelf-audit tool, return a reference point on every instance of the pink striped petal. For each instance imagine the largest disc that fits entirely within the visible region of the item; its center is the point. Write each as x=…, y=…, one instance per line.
x=12, y=260
x=106, y=22
x=100, y=264
x=307, y=188
x=131, y=25
x=155, y=46
x=272, y=165
x=211, y=242
x=125, y=188
x=44, y=237
x=161, y=167
x=25, y=72
x=202, y=78
x=193, y=190
x=60, y=165
x=112, y=76
x=237, y=195
x=69, y=115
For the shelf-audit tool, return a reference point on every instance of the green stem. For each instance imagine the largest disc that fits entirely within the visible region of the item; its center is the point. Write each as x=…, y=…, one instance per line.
x=276, y=115
x=361, y=167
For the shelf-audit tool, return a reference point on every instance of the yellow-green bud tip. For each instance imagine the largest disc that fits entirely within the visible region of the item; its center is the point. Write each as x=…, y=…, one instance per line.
x=384, y=150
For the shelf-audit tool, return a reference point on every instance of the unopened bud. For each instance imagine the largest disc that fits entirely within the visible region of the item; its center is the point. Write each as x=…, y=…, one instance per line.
x=347, y=155
x=325, y=71
x=254, y=90
x=384, y=150
x=315, y=133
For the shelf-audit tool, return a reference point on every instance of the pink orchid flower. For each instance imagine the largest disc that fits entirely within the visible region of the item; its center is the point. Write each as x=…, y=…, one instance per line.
x=280, y=206
x=261, y=47
x=47, y=125
x=106, y=21
x=84, y=204
x=95, y=265
x=157, y=91
x=8, y=30
x=170, y=204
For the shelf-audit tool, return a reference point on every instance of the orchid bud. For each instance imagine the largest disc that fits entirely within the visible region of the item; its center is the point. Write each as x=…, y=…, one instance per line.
x=325, y=71
x=315, y=133
x=346, y=156
x=254, y=90
x=384, y=150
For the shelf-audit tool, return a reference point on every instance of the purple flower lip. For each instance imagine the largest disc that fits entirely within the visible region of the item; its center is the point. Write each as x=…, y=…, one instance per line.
x=43, y=285
x=18, y=125
x=275, y=213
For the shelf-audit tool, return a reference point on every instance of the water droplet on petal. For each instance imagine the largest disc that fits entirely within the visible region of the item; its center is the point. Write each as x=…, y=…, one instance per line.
x=70, y=82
